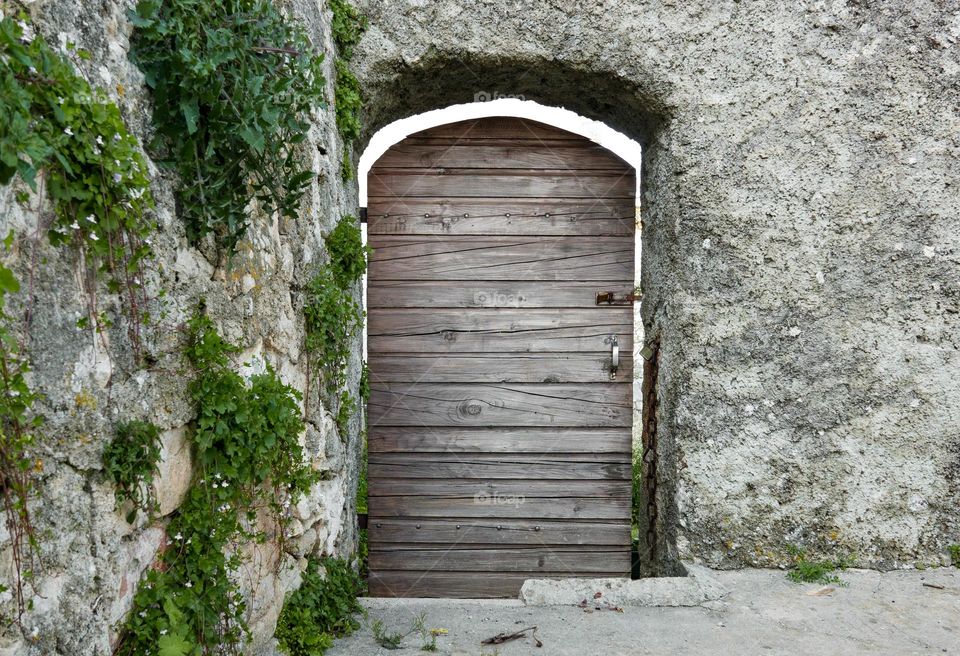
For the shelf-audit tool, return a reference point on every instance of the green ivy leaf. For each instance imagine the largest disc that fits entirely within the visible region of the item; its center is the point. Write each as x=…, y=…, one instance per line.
x=191, y=114
x=254, y=138
x=174, y=645
x=8, y=281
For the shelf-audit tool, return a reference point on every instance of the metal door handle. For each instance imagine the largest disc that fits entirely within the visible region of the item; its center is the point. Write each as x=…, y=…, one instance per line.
x=614, y=356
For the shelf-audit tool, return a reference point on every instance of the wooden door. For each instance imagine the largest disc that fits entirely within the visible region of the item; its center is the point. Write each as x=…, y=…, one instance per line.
x=499, y=444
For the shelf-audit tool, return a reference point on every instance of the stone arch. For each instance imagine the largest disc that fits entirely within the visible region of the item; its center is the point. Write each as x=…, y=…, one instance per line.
x=395, y=89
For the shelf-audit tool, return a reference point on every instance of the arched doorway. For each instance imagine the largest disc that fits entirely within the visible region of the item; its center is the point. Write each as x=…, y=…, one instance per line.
x=500, y=334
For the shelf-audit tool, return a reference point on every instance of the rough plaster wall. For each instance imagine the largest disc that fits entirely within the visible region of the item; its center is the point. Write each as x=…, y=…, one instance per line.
x=801, y=227
x=91, y=558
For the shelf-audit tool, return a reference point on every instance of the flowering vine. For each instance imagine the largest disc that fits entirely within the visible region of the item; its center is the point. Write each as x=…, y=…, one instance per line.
x=58, y=131
x=248, y=459
x=60, y=135
x=17, y=434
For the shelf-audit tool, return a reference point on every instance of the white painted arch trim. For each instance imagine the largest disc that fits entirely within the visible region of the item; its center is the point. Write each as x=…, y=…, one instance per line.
x=616, y=142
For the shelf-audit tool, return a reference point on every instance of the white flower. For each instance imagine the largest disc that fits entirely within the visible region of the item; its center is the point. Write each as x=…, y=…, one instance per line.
x=217, y=476
x=60, y=100
x=33, y=69
x=117, y=163
x=188, y=584
x=163, y=632
x=67, y=131
x=14, y=394
x=178, y=536
x=27, y=36
x=75, y=225
x=94, y=237
x=99, y=140
x=117, y=178
x=116, y=137
x=91, y=218
x=224, y=484
x=96, y=151
x=215, y=486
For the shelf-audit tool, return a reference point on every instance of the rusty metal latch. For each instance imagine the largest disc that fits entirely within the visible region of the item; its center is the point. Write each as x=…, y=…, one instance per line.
x=612, y=298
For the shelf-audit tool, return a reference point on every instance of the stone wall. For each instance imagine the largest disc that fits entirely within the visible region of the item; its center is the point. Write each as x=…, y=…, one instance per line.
x=801, y=224
x=91, y=558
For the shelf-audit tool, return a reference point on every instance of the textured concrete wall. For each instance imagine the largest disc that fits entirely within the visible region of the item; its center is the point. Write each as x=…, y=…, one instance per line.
x=91, y=558
x=800, y=245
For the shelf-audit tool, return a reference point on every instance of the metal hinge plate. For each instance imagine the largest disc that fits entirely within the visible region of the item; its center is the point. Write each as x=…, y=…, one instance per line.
x=612, y=298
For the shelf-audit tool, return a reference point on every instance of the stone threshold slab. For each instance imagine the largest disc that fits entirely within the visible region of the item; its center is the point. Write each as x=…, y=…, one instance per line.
x=695, y=589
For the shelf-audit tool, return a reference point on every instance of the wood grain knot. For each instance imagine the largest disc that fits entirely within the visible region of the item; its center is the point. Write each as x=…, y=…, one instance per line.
x=470, y=408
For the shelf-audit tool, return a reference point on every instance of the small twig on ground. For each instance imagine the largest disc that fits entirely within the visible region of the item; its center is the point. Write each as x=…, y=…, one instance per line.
x=935, y=586
x=501, y=638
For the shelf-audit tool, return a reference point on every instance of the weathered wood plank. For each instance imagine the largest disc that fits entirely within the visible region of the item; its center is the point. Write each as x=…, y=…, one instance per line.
x=529, y=489
x=464, y=531
x=542, y=560
x=496, y=183
x=501, y=258
x=498, y=368
x=499, y=127
x=501, y=216
x=574, y=155
x=485, y=466
x=512, y=404
x=515, y=142
x=493, y=294
x=483, y=506
x=382, y=439
x=404, y=546
x=460, y=585
x=497, y=331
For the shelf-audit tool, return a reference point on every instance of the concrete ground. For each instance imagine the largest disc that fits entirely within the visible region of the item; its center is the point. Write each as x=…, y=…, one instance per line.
x=889, y=613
